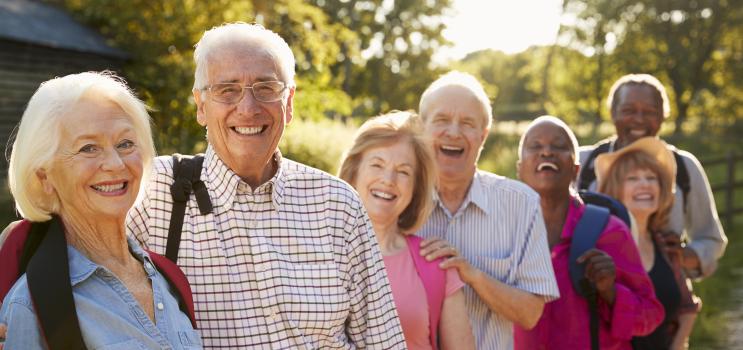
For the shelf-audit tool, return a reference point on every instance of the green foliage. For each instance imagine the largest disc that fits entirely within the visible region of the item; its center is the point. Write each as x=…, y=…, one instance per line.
x=319, y=144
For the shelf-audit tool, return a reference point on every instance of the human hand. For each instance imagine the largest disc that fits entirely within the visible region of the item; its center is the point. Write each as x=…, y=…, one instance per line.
x=434, y=248
x=601, y=271
x=670, y=242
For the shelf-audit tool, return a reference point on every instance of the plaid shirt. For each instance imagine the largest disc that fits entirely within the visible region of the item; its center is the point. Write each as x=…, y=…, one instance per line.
x=292, y=264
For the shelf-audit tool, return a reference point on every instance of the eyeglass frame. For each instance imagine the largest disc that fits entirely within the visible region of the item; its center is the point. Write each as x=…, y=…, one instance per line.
x=245, y=87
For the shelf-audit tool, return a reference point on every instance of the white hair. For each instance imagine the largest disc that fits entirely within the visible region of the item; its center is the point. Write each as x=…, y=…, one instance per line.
x=465, y=80
x=39, y=134
x=560, y=124
x=240, y=34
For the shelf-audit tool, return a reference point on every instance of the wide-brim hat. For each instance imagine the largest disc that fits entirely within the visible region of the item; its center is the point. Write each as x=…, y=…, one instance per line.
x=650, y=145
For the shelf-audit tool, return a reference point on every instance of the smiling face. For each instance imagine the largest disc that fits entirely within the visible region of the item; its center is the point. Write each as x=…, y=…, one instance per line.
x=455, y=121
x=385, y=181
x=97, y=168
x=246, y=134
x=638, y=113
x=640, y=192
x=547, y=161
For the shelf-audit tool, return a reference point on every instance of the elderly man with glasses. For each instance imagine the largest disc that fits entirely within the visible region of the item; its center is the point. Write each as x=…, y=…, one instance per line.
x=286, y=259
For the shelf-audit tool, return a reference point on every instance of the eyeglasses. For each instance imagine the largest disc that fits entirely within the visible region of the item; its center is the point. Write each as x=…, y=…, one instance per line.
x=231, y=93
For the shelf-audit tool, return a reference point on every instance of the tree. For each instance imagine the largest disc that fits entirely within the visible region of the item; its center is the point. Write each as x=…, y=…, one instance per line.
x=159, y=36
x=396, y=40
x=679, y=41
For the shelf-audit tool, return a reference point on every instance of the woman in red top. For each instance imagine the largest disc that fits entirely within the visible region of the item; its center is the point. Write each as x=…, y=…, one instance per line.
x=627, y=306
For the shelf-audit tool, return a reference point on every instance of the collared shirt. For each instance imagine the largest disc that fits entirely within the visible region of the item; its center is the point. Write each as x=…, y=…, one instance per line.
x=291, y=264
x=109, y=315
x=499, y=228
x=564, y=324
x=696, y=216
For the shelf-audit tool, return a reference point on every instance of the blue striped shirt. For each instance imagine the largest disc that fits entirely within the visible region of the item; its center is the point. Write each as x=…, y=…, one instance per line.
x=499, y=228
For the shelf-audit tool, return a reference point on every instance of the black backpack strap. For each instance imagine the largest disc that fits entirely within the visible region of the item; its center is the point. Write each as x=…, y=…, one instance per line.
x=682, y=176
x=585, y=236
x=48, y=277
x=587, y=173
x=186, y=178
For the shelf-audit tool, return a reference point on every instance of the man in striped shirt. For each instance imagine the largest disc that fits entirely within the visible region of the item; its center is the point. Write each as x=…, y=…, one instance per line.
x=287, y=258
x=490, y=227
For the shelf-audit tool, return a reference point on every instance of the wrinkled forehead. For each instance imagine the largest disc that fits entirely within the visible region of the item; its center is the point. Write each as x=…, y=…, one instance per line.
x=241, y=59
x=451, y=100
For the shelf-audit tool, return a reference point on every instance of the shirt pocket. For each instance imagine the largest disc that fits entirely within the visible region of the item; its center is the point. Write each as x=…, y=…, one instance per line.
x=190, y=340
x=312, y=298
x=498, y=268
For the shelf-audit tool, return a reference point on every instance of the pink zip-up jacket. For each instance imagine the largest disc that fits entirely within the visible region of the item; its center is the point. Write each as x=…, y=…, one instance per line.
x=564, y=322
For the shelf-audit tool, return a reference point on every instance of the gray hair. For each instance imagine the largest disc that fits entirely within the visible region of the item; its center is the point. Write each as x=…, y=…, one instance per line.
x=39, y=134
x=240, y=33
x=465, y=80
x=556, y=122
x=639, y=79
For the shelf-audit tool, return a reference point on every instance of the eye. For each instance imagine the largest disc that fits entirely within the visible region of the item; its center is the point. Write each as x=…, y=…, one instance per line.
x=89, y=148
x=125, y=145
x=404, y=172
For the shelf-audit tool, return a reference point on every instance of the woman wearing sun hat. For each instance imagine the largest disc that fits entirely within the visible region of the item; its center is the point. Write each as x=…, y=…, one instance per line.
x=642, y=176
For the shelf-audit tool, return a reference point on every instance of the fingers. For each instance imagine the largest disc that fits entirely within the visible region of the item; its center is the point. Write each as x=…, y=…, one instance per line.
x=435, y=248
x=589, y=254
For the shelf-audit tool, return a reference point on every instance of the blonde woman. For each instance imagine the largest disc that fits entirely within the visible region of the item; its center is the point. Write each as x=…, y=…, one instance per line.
x=642, y=176
x=391, y=167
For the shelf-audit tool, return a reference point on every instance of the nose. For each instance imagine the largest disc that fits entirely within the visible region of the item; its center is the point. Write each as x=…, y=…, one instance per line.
x=452, y=129
x=389, y=175
x=248, y=102
x=112, y=161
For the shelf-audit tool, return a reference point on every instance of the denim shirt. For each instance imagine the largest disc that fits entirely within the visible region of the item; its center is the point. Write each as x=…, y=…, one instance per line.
x=109, y=315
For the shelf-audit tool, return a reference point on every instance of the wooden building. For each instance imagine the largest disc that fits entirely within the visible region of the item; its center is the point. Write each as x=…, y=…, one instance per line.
x=39, y=42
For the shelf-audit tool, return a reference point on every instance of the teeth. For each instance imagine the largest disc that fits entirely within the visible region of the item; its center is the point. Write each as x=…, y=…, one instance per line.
x=452, y=148
x=109, y=188
x=383, y=195
x=643, y=196
x=248, y=131
x=547, y=165
x=637, y=132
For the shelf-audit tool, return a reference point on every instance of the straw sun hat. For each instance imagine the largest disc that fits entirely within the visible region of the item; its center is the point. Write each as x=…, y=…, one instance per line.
x=652, y=146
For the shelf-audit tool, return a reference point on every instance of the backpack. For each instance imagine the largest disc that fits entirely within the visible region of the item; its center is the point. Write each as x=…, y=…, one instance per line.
x=56, y=310
x=588, y=175
x=39, y=249
x=599, y=207
x=434, y=282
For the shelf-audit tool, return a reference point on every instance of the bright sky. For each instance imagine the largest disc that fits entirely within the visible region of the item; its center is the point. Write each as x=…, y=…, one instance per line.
x=507, y=25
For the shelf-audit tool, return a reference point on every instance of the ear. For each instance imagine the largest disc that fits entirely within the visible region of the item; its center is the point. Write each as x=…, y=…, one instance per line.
x=200, y=114
x=46, y=184
x=290, y=105
x=576, y=171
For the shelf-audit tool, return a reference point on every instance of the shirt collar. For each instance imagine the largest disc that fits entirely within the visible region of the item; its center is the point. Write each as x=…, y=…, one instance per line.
x=475, y=195
x=225, y=183
x=81, y=267
x=575, y=212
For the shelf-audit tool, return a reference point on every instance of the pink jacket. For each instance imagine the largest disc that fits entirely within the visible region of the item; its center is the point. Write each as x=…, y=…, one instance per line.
x=564, y=322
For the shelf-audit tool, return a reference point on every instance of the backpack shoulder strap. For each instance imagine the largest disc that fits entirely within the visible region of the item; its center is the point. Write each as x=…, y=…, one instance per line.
x=434, y=281
x=11, y=256
x=587, y=174
x=48, y=277
x=186, y=179
x=178, y=282
x=682, y=175
x=585, y=236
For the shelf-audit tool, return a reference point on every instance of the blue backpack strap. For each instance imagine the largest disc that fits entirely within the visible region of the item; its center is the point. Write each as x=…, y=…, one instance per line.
x=585, y=236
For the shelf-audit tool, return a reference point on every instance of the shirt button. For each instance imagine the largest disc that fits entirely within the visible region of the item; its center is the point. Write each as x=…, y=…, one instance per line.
x=160, y=306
